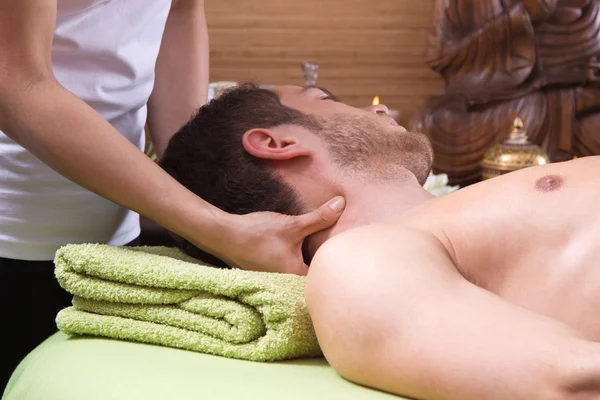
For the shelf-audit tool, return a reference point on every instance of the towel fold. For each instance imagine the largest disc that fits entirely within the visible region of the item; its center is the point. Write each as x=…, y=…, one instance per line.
x=161, y=296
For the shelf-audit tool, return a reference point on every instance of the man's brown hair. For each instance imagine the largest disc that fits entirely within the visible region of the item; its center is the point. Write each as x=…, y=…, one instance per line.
x=207, y=157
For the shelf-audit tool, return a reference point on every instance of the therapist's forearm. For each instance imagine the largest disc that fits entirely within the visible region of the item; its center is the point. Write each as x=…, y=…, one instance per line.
x=74, y=140
x=181, y=83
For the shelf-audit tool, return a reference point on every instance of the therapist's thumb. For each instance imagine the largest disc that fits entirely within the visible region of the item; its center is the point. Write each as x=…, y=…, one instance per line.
x=323, y=217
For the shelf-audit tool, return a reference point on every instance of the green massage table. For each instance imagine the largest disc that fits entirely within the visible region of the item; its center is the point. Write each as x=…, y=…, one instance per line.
x=89, y=368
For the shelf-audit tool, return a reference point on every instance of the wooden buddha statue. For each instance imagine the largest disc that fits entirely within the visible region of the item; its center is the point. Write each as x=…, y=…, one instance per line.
x=537, y=59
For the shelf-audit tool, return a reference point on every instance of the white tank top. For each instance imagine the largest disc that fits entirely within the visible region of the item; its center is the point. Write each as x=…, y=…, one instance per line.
x=104, y=52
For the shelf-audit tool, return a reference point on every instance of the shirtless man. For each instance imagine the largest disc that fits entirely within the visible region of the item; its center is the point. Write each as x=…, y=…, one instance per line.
x=490, y=292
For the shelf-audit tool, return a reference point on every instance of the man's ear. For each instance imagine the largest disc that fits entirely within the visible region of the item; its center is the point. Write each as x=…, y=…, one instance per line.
x=266, y=144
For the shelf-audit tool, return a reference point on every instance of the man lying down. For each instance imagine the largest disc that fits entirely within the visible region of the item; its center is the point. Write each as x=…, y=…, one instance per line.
x=491, y=292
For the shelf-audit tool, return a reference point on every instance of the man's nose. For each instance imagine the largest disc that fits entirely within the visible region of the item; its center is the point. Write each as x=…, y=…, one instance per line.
x=378, y=109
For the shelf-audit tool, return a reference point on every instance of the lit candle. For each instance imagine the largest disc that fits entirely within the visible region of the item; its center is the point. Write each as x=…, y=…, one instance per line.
x=391, y=112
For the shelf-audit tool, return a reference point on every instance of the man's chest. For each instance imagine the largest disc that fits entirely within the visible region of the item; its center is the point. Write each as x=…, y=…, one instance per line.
x=562, y=283
x=535, y=241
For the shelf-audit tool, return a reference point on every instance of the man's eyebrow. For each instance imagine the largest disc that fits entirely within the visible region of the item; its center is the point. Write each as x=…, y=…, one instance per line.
x=322, y=89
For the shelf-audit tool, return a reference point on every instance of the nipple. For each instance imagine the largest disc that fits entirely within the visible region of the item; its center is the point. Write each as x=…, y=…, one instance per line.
x=549, y=183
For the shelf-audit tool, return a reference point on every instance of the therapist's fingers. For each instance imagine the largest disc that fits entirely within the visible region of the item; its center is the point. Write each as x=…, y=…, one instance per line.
x=321, y=218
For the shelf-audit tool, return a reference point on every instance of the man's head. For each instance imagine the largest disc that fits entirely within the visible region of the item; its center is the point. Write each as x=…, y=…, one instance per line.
x=288, y=150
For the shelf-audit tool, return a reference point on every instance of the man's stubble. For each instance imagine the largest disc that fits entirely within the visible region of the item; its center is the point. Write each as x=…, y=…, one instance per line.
x=362, y=146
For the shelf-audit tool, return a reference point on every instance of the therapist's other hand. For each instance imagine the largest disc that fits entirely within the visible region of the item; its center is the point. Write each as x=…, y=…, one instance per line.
x=271, y=242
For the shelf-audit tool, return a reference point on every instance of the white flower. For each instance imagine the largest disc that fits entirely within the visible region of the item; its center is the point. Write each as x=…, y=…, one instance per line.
x=437, y=185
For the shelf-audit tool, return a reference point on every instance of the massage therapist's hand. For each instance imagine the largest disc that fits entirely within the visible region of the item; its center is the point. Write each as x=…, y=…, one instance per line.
x=272, y=242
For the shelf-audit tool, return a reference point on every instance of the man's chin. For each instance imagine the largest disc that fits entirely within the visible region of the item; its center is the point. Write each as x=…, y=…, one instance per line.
x=397, y=127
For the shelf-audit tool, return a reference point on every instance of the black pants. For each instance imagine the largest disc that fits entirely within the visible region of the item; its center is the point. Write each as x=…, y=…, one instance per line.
x=30, y=299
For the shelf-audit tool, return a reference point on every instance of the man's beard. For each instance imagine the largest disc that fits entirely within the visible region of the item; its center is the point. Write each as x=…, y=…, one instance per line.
x=362, y=146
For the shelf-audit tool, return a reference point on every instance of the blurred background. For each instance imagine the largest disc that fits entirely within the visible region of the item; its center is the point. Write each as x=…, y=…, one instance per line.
x=363, y=48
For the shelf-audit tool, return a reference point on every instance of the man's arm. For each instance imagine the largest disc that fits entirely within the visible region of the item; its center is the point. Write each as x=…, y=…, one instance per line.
x=392, y=312
x=181, y=83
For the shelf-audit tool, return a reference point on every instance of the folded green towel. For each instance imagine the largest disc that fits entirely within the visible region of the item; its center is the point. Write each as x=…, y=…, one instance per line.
x=161, y=296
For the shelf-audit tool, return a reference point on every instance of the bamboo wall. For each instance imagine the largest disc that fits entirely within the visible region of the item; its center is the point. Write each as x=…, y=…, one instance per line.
x=364, y=48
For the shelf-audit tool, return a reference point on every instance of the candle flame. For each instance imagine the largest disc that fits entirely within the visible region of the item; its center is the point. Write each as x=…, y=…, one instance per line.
x=375, y=100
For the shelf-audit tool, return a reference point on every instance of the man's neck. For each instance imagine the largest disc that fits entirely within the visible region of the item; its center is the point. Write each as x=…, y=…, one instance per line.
x=373, y=202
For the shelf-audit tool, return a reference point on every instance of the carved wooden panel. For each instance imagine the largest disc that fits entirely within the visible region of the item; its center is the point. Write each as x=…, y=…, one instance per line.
x=535, y=59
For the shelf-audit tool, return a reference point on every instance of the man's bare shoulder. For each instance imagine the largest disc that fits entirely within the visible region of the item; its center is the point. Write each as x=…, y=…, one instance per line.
x=382, y=246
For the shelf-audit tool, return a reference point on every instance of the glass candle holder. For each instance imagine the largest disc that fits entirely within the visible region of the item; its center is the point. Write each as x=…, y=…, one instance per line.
x=310, y=71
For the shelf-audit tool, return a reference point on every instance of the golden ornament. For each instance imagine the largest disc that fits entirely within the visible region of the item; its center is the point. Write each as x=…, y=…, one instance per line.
x=515, y=153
